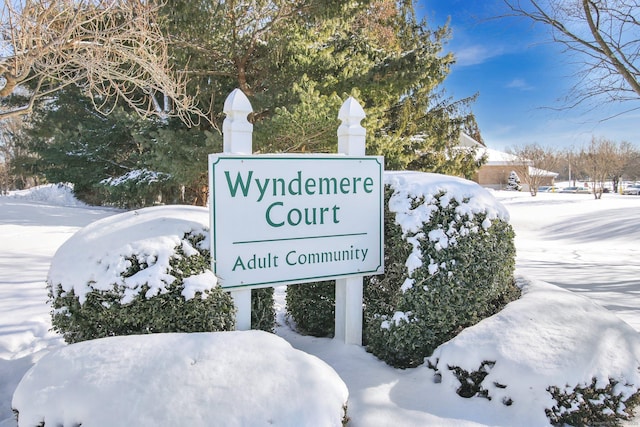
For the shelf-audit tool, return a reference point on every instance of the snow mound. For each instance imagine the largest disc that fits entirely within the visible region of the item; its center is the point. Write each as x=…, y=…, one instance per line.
x=249, y=378
x=51, y=194
x=95, y=258
x=549, y=337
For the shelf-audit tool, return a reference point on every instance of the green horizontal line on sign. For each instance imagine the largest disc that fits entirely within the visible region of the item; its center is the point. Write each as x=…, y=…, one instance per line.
x=298, y=238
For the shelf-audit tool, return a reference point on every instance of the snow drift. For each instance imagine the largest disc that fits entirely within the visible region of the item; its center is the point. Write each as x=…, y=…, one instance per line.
x=248, y=378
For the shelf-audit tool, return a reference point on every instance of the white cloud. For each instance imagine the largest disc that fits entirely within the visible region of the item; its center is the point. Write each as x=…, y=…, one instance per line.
x=475, y=54
x=520, y=84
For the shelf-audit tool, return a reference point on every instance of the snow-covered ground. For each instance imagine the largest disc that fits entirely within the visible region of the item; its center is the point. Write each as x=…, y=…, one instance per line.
x=584, y=245
x=580, y=244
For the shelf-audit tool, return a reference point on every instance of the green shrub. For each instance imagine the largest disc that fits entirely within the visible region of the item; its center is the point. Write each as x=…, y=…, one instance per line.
x=471, y=381
x=461, y=285
x=451, y=270
x=581, y=405
x=136, y=189
x=590, y=405
x=161, y=304
x=263, y=311
x=312, y=306
x=103, y=314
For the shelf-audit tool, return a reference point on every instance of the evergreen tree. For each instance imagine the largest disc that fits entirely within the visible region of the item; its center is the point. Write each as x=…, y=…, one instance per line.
x=119, y=159
x=300, y=60
x=19, y=167
x=513, y=183
x=181, y=153
x=394, y=65
x=297, y=62
x=76, y=144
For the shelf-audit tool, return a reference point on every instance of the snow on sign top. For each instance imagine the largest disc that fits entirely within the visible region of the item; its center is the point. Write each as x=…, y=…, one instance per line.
x=295, y=218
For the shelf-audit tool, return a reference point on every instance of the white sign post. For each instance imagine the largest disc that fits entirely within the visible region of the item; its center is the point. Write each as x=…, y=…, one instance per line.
x=349, y=291
x=288, y=219
x=237, y=135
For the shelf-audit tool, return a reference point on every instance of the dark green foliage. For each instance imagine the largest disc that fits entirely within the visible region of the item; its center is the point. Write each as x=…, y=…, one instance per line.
x=582, y=405
x=401, y=346
x=590, y=405
x=77, y=145
x=181, y=153
x=390, y=62
x=263, y=311
x=297, y=62
x=312, y=307
x=311, y=56
x=474, y=280
x=103, y=314
x=345, y=417
x=119, y=160
x=135, y=190
x=471, y=382
x=383, y=291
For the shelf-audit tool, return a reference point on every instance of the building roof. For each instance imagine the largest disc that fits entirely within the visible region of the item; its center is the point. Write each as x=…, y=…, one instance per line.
x=498, y=158
x=466, y=141
x=494, y=157
x=541, y=172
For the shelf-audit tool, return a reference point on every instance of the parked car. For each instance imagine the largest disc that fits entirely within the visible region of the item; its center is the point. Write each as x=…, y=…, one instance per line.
x=547, y=189
x=581, y=190
x=633, y=189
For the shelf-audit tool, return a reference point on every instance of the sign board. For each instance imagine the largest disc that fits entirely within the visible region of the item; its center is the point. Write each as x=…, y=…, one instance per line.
x=284, y=219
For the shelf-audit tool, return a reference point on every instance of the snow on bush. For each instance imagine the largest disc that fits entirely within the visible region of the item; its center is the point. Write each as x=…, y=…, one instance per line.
x=455, y=266
x=136, y=188
x=249, y=378
x=551, y=356
x=138, y=272
x=136, y=176
x=95, y=258
x=449, y=261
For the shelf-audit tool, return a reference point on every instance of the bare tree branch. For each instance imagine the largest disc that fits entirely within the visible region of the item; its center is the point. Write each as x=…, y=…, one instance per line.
x=533, y=163
x=606, y=36
x=113, y=49
x=602, y=160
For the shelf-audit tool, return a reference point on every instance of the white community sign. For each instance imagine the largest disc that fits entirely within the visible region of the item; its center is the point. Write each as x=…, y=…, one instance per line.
x=292, y=219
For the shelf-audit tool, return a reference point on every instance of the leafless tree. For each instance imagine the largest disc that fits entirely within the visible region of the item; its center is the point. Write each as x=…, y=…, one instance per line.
x=602, y=161
x=626, y=161
x=533, y=163
x=593, y=162
x=631, y=170
x=12, y=175
x=606, y=35
x=4, y=175
x=113, y=49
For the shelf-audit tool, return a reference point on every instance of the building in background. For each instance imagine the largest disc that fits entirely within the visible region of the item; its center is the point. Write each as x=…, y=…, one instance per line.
x=499, y=165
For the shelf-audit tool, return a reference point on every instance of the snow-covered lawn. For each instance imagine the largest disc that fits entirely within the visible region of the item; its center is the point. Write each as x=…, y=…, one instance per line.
x=587, y=246
x=572, y=241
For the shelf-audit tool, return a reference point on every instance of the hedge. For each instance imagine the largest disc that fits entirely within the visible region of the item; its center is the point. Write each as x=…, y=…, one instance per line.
x=449, y=263
x=145, y=271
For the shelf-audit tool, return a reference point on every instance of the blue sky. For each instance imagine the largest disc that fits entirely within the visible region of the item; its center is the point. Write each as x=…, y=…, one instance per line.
x=521, y=78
